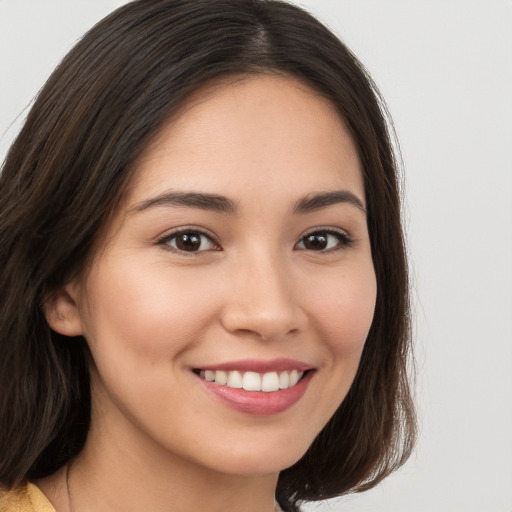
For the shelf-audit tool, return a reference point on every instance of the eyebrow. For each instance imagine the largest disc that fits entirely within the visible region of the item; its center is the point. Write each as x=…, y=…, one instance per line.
x=200, y=200
x=217, y=203
x=317, y=201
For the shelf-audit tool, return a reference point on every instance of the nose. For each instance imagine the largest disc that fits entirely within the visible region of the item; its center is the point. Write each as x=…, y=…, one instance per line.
x=263, y=300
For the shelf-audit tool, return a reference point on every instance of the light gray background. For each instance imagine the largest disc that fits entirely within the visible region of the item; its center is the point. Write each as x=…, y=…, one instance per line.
x=445, y=68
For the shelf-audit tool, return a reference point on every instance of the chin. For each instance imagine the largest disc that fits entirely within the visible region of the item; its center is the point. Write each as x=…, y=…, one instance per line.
x=261, y=459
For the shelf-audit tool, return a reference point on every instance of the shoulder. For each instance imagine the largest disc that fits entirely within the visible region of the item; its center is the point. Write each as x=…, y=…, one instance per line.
x=24, y=498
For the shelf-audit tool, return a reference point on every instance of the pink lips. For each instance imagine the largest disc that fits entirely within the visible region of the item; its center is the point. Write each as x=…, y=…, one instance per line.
x=252, y=365
x=259, y=402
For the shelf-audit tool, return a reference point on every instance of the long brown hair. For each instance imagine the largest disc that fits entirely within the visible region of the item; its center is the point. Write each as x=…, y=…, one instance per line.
x=65, y=173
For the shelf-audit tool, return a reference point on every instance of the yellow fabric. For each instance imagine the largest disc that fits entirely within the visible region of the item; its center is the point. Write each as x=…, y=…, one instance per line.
x=26, y=498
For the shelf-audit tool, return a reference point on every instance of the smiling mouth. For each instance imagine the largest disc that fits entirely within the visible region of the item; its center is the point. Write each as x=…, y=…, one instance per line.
x=252, y=381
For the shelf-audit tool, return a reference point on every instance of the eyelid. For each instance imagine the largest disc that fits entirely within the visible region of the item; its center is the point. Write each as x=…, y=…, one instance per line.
x=163, y=239
x=346, y=240
x=326, y=229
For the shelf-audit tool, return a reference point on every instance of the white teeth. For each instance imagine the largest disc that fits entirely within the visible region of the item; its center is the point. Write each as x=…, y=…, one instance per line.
x=270, y=382
x=252, y=381
x=294, y=377
x=234, y=380
x=284, y=380
x=221, y=377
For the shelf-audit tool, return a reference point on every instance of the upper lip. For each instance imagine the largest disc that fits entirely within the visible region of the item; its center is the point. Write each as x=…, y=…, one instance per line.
x=260, y=366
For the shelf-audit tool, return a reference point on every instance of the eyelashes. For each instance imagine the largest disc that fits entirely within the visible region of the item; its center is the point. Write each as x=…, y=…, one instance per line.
x=325, y=240
x=190, y=241
x=194, y=242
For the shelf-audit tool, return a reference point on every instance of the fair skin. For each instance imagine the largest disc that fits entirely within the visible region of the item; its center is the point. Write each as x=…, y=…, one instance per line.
x=260, y=272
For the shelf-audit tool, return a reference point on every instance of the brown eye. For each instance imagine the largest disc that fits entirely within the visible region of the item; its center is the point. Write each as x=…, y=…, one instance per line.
x=316, y=241
x=190, y=241
x=324, y=241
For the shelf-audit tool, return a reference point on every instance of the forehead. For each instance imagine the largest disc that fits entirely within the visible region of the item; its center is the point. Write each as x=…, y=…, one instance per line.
x=258, y=131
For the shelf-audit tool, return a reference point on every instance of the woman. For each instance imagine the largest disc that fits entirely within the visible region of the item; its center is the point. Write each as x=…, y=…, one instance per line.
x=204, y=290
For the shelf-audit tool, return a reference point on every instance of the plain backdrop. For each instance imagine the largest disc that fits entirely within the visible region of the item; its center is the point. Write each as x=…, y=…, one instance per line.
x=445, y=68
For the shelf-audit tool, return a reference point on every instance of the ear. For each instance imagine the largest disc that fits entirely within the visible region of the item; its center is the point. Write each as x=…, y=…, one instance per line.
x=62, y=312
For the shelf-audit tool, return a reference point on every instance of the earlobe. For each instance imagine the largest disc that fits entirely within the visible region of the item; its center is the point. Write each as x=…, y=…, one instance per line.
x=62, y=312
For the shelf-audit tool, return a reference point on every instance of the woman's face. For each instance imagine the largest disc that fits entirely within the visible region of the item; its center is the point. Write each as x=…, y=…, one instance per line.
x=240, y=253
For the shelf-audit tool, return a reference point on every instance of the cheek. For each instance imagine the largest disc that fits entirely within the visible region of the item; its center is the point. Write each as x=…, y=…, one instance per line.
x=151, y=314
x=344, y=311
x=341, y=312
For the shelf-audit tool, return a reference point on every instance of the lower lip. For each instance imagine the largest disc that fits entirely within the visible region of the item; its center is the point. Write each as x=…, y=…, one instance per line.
x=259, y=402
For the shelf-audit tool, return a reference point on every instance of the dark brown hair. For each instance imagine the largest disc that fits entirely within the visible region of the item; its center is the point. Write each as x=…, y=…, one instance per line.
x=65, y=173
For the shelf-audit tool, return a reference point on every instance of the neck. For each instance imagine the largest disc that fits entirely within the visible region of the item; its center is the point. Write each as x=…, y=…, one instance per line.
x=90, y=489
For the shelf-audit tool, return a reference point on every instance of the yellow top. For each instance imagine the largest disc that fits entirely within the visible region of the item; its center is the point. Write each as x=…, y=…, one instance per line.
x=26, y=498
